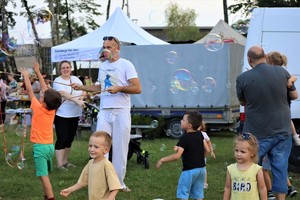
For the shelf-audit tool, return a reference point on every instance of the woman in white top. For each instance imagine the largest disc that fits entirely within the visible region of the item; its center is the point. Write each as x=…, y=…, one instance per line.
x=67, y=115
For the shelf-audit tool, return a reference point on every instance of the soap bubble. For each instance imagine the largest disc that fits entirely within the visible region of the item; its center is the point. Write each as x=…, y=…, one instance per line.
x=42, y=15
x=157, y=16
x=241, y=26
x=226, y=164
x=21, y=164
x=61, y=182
x=163, y=147
x=182, y=80
x=214, y=146
x=153, y=89
x=14, y=154
x=154, y=123
x=194, y=88
x=228, y=85
x=213, y=42
x=168, y=132
x=172, y=57
x=209, y=84
x=21, y=130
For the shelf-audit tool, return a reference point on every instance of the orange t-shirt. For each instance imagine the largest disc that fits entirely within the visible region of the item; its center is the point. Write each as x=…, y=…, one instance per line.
x=42, y=123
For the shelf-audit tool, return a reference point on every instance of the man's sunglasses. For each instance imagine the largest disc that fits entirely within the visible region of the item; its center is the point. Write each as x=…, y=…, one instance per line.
x=110, y=38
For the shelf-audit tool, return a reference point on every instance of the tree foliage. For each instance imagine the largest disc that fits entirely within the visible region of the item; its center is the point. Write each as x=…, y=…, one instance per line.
x=246, y=6
x=181, y=24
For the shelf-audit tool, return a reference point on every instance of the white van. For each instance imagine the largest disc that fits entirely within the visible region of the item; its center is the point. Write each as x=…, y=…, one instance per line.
x=278, y=29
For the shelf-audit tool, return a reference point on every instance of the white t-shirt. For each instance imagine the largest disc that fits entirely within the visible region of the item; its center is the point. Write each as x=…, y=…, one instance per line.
x=115, y=74
x=68, y=108
x=205, y=136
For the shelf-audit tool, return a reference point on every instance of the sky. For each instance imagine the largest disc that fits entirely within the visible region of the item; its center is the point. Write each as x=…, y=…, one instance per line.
x=145, y=13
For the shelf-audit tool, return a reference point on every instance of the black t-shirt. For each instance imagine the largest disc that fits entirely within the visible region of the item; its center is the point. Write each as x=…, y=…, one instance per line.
x=193, y=154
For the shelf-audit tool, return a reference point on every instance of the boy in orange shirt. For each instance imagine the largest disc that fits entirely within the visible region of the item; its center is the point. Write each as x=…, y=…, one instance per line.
x=43, y=112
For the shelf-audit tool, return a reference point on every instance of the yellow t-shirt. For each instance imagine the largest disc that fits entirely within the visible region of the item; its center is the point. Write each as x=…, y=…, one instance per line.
x=244, y=183
x=100, y=177
x=42, y=123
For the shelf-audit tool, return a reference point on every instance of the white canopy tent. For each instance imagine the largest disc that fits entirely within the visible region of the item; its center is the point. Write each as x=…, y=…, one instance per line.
x=226, y=32
x=87, y=47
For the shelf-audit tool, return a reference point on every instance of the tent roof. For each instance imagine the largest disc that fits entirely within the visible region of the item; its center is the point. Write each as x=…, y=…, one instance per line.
x=118, y=25
x=225, y=31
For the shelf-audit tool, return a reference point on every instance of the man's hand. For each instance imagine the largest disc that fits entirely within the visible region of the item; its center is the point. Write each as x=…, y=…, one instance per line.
x=113, y=89
x=76, y=86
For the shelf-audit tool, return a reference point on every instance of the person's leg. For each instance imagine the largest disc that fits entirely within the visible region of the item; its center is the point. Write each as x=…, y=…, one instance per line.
x=278, y=156
x=104, y=123
x=197, y=186
x=72, y=124
x=291, y=190
x=43, y=155
x=205, y=180
x=267, y=180
x=47, y=186
x=61, y=131
x=3, y=104
x=295, y=135
x=120, y=141
x=184, y=185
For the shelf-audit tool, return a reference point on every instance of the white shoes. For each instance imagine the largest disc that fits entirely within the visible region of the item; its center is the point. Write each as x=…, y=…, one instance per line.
x=296, y=139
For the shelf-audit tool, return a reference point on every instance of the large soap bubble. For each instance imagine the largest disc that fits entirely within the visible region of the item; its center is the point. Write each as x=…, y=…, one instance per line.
x=209, y=84
x=182, y=80
x=172, y=57
x=42, y=15
x=213, y=42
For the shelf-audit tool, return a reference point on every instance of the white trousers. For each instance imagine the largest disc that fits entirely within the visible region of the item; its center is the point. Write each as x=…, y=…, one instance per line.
x=117, y=123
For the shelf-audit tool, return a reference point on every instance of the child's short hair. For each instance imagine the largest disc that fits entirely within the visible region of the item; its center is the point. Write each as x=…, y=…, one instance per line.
x=252, y=141
x=277, y=58
x=194, y=118
x=105, y=135
x=52, y=99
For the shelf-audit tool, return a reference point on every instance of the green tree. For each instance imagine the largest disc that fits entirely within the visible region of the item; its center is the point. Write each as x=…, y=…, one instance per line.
x=6, y=19
x=246, y=6
x=181, y=24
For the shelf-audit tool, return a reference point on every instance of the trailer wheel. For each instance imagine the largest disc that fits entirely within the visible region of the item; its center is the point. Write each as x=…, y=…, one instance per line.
x=294, y=159
x=173, y=128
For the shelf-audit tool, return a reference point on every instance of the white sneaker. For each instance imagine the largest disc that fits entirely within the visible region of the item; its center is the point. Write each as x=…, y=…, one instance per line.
x=296, y=139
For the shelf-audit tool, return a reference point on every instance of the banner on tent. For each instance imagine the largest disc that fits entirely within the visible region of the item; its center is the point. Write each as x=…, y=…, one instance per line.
x=74, y=54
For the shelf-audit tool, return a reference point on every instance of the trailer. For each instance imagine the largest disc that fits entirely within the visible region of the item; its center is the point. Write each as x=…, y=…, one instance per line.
x=181, y=77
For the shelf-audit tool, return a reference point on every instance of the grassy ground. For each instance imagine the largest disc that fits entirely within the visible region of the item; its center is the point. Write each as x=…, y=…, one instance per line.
x=146, y=184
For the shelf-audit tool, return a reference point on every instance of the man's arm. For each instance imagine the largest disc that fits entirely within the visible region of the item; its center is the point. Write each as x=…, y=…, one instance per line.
x=90, y=88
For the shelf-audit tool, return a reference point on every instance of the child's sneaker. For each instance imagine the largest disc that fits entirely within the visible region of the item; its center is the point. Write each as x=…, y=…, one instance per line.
x=271, y=196
x=296, y=139
x=292, y=192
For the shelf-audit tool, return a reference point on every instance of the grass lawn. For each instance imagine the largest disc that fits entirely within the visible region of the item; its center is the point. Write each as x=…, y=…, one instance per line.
x=146, y=184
